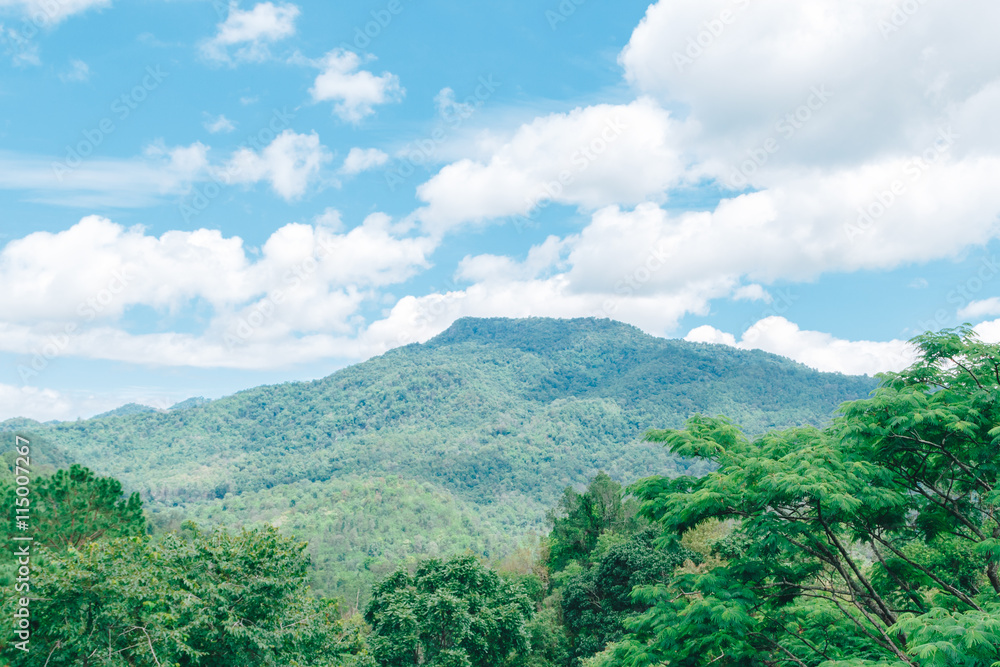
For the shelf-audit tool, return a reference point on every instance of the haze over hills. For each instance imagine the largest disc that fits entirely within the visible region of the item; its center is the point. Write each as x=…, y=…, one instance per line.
x=463, y=442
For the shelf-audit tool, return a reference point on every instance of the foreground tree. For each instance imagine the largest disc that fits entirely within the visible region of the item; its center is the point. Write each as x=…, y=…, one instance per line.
x=597, y=601
x=218, y=599
x=873, y=541
x=456, y=613
x=581, y=518
x=72, y=507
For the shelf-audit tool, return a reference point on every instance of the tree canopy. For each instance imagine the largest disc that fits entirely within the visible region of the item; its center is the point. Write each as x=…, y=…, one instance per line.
x=453, y=613
x=872, y=541
x=72, y=507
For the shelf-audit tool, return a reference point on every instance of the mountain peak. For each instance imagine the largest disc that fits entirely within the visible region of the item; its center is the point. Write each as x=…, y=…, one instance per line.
x=532, y=333
x=126, y=410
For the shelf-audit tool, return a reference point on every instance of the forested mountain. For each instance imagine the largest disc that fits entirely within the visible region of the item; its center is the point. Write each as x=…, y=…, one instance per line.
x=459, y=443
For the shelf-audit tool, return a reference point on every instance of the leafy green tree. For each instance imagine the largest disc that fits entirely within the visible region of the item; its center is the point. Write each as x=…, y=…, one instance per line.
x=450, y=613
x=873, y=541
x=548, y=644
x=218, y=600
x=580, y=519
x=72, y=507
x=597, y=601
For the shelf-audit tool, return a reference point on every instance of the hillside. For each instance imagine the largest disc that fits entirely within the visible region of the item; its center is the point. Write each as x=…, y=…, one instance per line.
x=475, y=432
x=126, y=410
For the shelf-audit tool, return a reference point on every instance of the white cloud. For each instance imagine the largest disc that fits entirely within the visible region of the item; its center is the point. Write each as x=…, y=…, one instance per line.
x=449, y=109
x=78, y=72
x=752, y=292
x=589, y=157
x=245, y=36
x=814, y=348
x=23, y=52
x=355, y=92
x=807, y=226
x=45, y=404
x=709, y=334
x=75, y=180
x=289, y=163
x=977, y=310
x=989, y=332
x=298, y=300
x=50, y=12
x=741, y=69
x=782, y=99
x=218, y=124
x=330, y=219
x=363, y=159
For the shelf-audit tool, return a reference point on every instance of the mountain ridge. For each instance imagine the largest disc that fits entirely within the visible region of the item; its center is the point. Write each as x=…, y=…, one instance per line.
x=482, y=426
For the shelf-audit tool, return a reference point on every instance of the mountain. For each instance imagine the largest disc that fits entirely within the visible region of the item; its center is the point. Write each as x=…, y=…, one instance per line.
x=127, y=409
x=462, y=442
x=193, y=402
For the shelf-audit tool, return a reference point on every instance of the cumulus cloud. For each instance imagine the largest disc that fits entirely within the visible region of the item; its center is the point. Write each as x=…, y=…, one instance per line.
x=589, y=157
x=363, y=159
x=779, y=98
x=979, y=309
x=801, y=75
x=989, y=332
x=803, y=228
x=814, y=348
x=355, y=92
x=295, y=301
x=246, y=35
x=289, y=163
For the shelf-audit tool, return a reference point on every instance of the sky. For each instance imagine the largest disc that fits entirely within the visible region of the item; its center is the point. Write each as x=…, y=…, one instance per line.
x=199, y=196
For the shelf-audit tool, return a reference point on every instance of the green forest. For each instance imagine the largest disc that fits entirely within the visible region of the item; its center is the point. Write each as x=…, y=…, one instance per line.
x=461, y=443
x=553, y=496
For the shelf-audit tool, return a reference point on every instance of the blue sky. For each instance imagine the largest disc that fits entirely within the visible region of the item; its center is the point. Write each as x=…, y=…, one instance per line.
x=198, y=197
